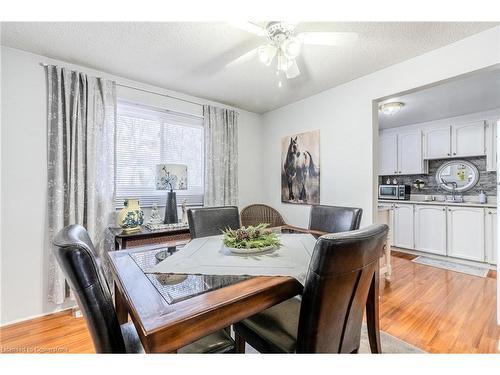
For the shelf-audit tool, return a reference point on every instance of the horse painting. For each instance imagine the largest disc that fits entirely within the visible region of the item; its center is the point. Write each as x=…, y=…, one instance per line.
x=300, y=168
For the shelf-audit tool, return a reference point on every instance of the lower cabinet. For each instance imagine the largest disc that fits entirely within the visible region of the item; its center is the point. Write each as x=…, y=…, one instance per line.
x=403, y=226
x=461, y=232
x=466, y=233
x=490, y=235
x=430, y=229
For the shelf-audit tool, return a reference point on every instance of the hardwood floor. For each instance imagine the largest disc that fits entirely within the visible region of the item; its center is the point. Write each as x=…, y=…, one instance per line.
x=436, y=310
x=440, y=311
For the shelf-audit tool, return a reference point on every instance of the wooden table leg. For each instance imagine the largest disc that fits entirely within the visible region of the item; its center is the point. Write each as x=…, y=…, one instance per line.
x=120, y=306
x=372, y=314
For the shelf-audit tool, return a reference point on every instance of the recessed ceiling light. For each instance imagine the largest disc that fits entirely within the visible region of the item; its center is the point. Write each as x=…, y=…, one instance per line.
x=390, y=108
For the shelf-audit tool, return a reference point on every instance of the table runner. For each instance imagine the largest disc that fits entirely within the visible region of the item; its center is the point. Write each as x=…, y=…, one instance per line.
x=208, y=256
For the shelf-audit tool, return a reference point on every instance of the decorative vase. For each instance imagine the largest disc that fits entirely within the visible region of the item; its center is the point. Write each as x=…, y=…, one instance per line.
x=131, y=217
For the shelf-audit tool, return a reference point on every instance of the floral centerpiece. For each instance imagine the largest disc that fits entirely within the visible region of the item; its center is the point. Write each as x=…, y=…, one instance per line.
x=251, y=239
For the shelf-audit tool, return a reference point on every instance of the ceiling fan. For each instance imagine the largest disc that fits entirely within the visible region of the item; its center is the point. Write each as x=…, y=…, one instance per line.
x=283, y=44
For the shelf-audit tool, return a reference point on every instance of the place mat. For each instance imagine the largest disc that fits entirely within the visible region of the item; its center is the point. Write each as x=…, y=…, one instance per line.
x=209, y=256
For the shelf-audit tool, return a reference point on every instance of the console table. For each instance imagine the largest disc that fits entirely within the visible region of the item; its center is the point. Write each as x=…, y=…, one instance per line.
x=146, y=236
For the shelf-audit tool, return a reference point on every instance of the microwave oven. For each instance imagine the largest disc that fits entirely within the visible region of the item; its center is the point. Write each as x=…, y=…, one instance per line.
x=396, y=192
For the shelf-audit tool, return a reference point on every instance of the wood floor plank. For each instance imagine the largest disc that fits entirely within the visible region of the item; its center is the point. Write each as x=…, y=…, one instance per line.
x=437, y=310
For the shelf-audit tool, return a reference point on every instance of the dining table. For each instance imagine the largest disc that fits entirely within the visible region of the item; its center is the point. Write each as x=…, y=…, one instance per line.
x=170, y=311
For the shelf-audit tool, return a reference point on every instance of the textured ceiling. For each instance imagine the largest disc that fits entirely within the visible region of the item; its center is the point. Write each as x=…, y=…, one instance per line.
x=190, y=57
x=474, y=93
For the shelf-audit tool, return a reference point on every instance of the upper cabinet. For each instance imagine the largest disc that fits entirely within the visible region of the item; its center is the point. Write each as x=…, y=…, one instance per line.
x=437, y=142
x=406, y=150
x=400, y=153
x=453, y=141
x=388, y=154
x=468, y=139
x=410, y=153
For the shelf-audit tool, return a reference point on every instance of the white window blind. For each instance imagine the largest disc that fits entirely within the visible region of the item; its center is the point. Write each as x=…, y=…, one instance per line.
x=147, y=136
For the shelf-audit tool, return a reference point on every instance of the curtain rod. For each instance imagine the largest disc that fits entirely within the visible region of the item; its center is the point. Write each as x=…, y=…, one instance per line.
x=144, y=90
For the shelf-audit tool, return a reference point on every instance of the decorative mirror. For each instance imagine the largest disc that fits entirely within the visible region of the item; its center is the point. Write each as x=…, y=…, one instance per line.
x=460, y=174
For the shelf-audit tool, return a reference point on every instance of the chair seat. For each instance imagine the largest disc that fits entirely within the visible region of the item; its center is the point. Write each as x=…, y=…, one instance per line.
x=273, y=330
x=218, y=342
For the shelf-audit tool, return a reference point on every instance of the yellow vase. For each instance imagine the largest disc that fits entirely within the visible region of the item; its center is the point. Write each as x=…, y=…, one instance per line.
x=131, y=217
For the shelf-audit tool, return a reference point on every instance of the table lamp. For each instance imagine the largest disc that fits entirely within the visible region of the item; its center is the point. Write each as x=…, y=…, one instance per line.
x=171, y=177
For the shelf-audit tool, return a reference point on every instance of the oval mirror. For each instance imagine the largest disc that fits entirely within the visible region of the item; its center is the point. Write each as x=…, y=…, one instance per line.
x=460, y=174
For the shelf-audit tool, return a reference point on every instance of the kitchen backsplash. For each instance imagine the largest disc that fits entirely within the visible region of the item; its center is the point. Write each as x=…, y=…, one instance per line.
x=487, y=180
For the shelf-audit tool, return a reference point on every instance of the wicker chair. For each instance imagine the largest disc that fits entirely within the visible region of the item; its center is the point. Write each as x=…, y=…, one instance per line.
x=261, y=213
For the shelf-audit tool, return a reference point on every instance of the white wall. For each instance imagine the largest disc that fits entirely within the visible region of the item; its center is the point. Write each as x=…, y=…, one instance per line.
x=23, y=189
x=345, y=118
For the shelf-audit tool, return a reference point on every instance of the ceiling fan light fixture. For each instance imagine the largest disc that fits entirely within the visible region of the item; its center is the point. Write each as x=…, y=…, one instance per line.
x=391, y=108
x=293, y=69
x=291, y=47
x=267, y=53
x=283, y=62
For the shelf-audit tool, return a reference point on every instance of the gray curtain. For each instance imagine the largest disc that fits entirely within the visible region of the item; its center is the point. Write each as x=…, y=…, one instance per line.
x=221, y=156
x=81, y=160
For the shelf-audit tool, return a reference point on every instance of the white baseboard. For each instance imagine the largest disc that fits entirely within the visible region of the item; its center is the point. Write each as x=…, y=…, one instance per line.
x=443, y=257
x=39, y=315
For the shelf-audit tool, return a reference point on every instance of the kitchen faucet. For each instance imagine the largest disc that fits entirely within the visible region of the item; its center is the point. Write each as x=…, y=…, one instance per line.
x=453, y=191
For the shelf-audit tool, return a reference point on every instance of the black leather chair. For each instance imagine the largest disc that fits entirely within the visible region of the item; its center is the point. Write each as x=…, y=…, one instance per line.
x=210, y=221
x=334, y=219
x=81, y=265
x=342, y=276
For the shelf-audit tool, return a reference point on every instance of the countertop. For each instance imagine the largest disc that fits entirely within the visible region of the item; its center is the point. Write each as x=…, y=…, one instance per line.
x=439, y=203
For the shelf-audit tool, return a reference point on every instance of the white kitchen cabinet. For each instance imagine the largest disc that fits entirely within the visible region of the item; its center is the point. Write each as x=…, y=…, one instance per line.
x=388, y=154
x=437, y=142
x=410, y=159
x=468, y=139
x=490, y=235
x=466, y=233
x=430, y=229
x=403, y=226
x=491, y=146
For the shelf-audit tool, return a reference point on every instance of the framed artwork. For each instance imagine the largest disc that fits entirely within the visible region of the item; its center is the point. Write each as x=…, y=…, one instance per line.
x=300, y=168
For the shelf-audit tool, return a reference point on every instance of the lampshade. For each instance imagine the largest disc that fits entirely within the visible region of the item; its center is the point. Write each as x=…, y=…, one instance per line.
x=267, y=53
x=171, y=177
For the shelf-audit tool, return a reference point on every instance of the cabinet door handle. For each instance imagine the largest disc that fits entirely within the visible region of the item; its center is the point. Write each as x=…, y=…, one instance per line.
x=448, y=154
x=454, y=153
x=444, y=209
x=395, y=172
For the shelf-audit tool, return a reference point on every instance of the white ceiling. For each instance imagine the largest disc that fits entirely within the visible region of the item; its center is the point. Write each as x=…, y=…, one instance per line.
x=190, y=57
x=473, y=93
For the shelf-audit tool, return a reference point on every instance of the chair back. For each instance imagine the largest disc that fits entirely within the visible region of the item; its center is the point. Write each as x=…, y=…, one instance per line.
x=211, y=221
x=261, y=213
x=341, y=270
x=333, y=219
x=81, y=266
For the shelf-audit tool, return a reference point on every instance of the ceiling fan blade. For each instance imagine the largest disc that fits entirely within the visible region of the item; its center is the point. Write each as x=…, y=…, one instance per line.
x=328, y=38
x=243, y=58
x=249, y=27
x=293, y=70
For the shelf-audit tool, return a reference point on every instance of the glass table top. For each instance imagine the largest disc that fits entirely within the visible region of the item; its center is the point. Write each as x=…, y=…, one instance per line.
x=175, y=288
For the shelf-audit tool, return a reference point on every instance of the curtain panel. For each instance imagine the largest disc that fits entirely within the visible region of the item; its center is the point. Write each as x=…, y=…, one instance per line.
x=81, y=161
x=221, y=156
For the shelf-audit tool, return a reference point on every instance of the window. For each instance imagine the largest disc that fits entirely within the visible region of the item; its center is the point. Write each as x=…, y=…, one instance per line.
x=147, y=136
